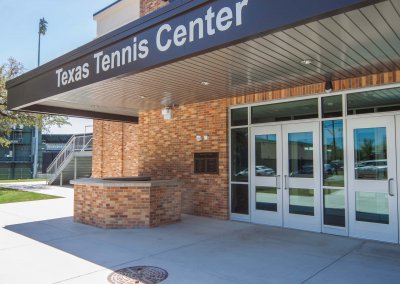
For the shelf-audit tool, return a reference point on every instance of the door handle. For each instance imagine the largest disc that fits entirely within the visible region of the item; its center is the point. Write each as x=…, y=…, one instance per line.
x=286, y=182
x=390, y=186
x=277, y=180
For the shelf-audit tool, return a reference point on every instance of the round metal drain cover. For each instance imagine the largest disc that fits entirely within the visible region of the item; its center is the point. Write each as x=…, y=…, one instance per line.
x=138, y=275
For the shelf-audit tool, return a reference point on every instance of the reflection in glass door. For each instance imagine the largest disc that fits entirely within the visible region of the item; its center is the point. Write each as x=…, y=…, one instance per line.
x=266, y=193
x=333, y=178
x=285, y=175
x=301, y=176
x=372, y=178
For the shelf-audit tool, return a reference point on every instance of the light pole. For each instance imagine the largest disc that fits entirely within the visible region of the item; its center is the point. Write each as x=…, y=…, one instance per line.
x=42, y=31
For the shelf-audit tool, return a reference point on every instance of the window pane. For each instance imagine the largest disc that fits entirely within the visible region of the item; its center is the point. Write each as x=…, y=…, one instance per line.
x=370, y=153
x=303, y=109
x=332, y=106
x=372, y=207
x=333, y=153
x=373, y=101
x=266, y=198
x=301, y=155
x=334, y=207
x=240, y=199
x=301, y=201
x=239, y=116
x=239, y=155
x=266, y=155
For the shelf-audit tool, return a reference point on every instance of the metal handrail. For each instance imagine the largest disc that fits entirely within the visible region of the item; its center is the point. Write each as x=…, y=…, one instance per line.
x=77, y=143
x=60, y=156
x=88, y=145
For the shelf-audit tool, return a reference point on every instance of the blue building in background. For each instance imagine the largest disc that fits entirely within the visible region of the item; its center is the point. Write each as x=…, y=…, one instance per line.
x=16, y=161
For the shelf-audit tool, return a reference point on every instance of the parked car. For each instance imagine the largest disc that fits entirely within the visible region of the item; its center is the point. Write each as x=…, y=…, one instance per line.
x=260, y=171
x=264, y=171
x=337, y=164
x=371, y=169
x=305, y=171
x=328, y=169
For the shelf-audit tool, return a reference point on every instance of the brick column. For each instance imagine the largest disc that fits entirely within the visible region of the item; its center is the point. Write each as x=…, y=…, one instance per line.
x=97, y=158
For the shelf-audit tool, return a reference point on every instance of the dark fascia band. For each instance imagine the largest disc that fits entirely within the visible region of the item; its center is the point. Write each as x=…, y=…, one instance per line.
x=80, y=113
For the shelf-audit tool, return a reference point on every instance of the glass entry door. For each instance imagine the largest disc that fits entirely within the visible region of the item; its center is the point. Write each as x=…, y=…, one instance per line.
x=285, y=176
x=301, y=176
x=372, y=180
x=266, y=173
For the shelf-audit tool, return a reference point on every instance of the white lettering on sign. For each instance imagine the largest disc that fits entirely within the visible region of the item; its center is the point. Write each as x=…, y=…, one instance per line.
x=72, y=75
x=167, y=35
x=118, y=58
x=209, y=17
x=200, y=32
x=167, y=44
x=222, y=21
x=143, y=49
x=239, y=11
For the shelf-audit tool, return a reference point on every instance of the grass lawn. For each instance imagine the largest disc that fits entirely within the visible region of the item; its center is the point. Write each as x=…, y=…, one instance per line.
x=11, y=195
x=22, y=180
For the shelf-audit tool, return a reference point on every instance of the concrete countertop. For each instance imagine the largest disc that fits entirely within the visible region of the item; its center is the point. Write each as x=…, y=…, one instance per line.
x=113, y=183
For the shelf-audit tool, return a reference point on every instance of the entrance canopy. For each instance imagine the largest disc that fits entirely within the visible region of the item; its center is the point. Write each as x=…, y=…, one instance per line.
x=197, y=50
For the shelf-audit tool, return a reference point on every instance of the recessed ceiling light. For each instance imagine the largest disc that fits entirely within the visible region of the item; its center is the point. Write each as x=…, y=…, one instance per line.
x=204, y=83
x=306, y=61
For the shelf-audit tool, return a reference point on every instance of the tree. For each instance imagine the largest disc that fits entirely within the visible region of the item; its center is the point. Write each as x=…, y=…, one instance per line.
x=367, y=150
x=8, y=118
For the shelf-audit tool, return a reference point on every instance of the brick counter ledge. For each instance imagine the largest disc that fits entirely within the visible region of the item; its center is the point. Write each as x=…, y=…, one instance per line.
x=126, y=204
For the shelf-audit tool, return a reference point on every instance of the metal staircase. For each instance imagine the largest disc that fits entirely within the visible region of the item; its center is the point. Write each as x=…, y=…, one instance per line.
x=74, y=160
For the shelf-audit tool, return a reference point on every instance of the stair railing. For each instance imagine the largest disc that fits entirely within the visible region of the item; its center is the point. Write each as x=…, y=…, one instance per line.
x=77, y=143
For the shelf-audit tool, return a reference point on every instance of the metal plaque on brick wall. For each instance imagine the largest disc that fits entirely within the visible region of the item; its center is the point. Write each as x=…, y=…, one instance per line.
x=206, y=163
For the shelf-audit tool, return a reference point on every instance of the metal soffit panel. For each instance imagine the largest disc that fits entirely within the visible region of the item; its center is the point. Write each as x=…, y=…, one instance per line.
x=360, y=42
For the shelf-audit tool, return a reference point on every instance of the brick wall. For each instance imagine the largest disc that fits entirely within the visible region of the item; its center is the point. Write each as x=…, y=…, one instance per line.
x=130, y=162
x=119, y=149
x=97, y=159
x=164, y=150
x=168, y=147
x=127, y=207
x=165, y=205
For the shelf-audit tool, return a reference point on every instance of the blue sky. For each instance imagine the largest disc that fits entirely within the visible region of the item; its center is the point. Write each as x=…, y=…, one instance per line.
x=70, y=25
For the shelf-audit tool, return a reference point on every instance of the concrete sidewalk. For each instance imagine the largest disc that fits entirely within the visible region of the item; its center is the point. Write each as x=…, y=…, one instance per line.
x=40, y=243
